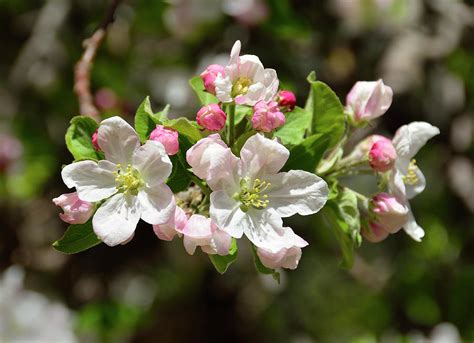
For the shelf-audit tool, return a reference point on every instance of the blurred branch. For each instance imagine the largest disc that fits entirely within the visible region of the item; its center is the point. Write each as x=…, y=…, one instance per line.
x=83, y=67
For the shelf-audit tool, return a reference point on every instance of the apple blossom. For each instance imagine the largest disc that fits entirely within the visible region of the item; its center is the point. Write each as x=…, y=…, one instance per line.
x=131, y=178
x=285, y=257
x=374, y=232
x=211, y=117
x=406, y=179
x=368, y=100
x=267, y=116
x=382, y=155
x=286, y=100
x=388, y=212
x=250, y=195
x=166, y=136
x=203, y=232
x=246, y=81
x=75, y=210
x=176, y=223
x=209, y=76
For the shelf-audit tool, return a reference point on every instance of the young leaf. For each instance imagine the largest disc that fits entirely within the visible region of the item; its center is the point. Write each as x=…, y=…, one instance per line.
x=261, y=268
x=222, y=263
x=241, y=112
x=241, y=141
x=79, y=138
x=77, y=238
x=187, y=128
x=205, y=98
x=307, y=154
x=297, y=123
x=145, y=120
x=327, y=111
x=343, y=214
x=179, y=179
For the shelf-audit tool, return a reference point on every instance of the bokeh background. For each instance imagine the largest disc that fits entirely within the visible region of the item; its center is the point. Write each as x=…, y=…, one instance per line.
x=152, y=291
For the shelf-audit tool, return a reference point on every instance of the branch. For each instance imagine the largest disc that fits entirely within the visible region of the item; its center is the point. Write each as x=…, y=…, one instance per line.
x=83, y=67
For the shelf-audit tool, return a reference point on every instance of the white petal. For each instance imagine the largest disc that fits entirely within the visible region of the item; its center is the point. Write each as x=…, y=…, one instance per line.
x=226, y=213
x=157, y=204
x=251, y=67
x=255, y=93
x=264, y=228
x=189, y=245
x=271, y=83
x=118, y=140
x=224, y=87
x=285, y=258
x=418, y=187
x=198, y=227
x=409, y=139
x=262, y=156
x=235, y=52
x=93, y=181
x=412, y=228
x=396, y=184
x=116, y=220
x=153, y=163
x=296, y=191
x=220, y=243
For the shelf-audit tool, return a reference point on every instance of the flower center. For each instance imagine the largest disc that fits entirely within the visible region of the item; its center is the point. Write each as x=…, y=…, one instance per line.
x=251, y=194
x=128, y=180
x=411, y=178
x=241, y=86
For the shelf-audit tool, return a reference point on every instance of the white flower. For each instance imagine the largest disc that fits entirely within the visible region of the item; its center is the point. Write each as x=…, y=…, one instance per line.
x=245, y=81
x=406, y=179
x=285, y=257
x=250, y=195
x=131, y=178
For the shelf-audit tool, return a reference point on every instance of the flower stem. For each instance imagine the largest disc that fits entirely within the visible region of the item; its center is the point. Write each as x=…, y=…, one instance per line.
x=231, y=132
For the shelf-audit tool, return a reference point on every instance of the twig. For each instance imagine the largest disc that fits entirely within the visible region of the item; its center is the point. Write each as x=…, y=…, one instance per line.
x=83, y=67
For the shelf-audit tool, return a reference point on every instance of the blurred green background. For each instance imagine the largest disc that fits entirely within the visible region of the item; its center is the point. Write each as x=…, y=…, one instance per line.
x=148, y=290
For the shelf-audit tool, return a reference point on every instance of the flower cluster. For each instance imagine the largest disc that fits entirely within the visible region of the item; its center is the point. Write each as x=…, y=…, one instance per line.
x=250, y=159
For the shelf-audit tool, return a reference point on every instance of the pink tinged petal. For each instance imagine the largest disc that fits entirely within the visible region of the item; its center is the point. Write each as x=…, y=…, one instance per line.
x=157, y=204
x=374, y=233
x=93, y=181
x=390, y=214
x=198, y=227
x=296, y=191
x=118, y=140
x=209, y=77
x=153, y=163
x=409, y=139
x=166, y=136
x=174, y=225
x=379, y=101
x=261, y=156
x=220, y=242
x=412, y=228
x=116, y=220
x=271, y=83
x=285, y=258
x=227, y=215
x=251, y=67
x=189, y=245
x=75, y=210
x=213, y=161
x=369, y=100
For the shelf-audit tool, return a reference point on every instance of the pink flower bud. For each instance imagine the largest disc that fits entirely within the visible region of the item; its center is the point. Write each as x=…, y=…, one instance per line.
x=382, y=155
x=166, y=136
x=211, y=117
x=267, y=116
x=368, y=100
x=374, y=233
x=287, y=100
x=75, y=210
x=388, y=212
x=209, y=76
x=95, y=141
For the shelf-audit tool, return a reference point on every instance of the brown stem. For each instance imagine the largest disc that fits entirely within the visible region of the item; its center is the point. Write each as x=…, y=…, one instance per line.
x=83, y=67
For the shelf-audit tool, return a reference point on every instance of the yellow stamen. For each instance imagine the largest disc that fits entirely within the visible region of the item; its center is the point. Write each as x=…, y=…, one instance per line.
x=411, y=178
x=241, y=86
x=128, y=180
x=252, y=196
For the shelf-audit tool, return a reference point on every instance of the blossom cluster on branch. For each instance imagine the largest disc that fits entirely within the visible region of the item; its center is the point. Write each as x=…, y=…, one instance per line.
x=251, y=158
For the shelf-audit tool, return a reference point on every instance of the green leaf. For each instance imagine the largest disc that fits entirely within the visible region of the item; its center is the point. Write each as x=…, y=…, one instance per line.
x=343, y=214
x=261, y=268
x=204, y=97
x=79, y=138
x=241, y=112
x=222, y=263
x=307, y=154
x=297, y=123
x=187, y=128
x=239, y=143
x=179, y=179
x=328, y=116
x=77, y=238
x=146, y=120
